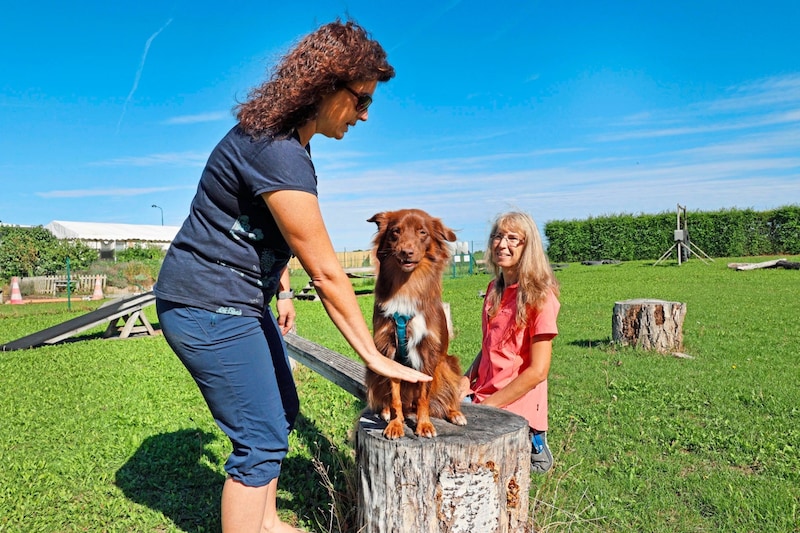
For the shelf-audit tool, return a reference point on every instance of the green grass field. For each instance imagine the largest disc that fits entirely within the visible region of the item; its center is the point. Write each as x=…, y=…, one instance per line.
x=109, y=435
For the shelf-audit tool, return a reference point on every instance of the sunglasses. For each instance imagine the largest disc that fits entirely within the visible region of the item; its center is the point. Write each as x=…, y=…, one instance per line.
x=363, y=101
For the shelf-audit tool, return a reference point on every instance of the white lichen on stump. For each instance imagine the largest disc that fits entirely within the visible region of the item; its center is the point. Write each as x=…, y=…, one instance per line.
x=468, y=479
x=649, y=324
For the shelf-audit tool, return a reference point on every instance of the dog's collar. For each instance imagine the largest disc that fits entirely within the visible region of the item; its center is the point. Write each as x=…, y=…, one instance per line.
x=401, y=321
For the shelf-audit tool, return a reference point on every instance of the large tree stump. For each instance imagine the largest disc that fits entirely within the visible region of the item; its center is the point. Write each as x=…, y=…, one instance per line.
x=468, y=479
x=649, y=324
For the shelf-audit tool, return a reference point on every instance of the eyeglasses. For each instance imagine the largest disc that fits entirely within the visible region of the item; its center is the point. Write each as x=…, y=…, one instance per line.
x=512, y=240
x=363, y=100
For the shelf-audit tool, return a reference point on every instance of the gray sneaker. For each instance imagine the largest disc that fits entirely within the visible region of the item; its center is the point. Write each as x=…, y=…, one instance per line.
x=541, y=458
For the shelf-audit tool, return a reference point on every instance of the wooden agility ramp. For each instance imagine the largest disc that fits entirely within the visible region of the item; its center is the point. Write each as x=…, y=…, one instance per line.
x=125, y=317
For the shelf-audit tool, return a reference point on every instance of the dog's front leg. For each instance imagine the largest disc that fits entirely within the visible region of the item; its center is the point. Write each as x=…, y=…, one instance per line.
x=424, y=425
x=394, y=430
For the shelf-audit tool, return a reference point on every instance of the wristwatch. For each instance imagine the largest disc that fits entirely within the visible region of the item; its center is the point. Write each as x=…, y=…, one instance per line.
x=286, y=295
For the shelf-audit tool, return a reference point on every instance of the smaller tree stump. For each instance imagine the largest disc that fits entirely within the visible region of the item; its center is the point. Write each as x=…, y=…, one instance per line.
x=649, y=324
x=468, y=479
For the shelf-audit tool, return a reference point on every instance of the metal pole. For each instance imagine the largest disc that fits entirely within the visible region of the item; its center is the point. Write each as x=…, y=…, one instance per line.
x=69, y=288
x=162, y=213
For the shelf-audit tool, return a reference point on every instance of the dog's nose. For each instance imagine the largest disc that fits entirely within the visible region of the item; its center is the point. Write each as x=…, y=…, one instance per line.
x=406, y=252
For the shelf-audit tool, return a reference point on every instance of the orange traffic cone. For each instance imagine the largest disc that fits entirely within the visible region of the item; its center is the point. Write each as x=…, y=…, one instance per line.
x=16, y=296
x=98, y=289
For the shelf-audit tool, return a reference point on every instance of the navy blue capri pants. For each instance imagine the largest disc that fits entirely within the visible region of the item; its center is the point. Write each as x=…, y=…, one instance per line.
x=242, y=369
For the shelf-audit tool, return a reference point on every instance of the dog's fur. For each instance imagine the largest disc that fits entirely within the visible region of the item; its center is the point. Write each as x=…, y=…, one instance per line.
x=412, y=253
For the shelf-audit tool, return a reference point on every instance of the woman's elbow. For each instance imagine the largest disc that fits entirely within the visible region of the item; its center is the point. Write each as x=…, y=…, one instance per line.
x=535, y=376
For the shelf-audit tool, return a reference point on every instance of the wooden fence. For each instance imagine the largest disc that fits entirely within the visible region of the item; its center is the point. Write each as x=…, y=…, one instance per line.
x=356, y=259
x=55, y=284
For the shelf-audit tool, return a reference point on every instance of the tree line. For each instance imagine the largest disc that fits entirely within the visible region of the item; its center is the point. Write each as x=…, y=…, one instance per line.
x=723, y=233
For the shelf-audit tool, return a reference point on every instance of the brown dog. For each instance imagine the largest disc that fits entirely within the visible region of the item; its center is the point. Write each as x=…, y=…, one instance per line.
x=409, y=323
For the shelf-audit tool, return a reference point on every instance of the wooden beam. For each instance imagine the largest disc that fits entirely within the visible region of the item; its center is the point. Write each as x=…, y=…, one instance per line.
x=777, y=263
x=754, y=266
x=108, y=312
x=333, y=366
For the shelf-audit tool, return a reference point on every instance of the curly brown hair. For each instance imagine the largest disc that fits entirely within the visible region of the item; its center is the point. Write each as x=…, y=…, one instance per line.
x=320, y=64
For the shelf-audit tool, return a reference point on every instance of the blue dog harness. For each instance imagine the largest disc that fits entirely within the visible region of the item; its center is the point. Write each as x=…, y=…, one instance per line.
x=401, y=321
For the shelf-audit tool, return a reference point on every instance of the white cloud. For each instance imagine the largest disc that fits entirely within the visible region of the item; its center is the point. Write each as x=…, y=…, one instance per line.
x=182, y=159
x=138, y=75
x=198, y=118
x=87, y=193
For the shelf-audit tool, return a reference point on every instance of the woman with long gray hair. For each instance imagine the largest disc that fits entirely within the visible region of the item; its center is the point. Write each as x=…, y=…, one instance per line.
x=519, y=324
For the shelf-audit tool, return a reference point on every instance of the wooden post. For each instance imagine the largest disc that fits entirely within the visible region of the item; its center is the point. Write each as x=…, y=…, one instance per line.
x=446, y=307
x=468, y=479
x=649, y=324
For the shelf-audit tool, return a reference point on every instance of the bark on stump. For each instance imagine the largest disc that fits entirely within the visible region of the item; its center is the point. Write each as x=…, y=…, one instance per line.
x=649, y=324
x=466, y=480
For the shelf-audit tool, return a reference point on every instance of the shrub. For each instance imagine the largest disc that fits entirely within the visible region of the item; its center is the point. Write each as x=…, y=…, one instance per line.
x=141, y=253
x=37, y=252
x=723, y=233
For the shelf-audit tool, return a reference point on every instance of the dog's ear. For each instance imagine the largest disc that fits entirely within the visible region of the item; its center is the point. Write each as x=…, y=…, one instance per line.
x=379, y=219
x=442, y=230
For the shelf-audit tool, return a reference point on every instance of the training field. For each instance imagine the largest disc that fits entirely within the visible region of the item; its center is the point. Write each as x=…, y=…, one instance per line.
x=112, y=435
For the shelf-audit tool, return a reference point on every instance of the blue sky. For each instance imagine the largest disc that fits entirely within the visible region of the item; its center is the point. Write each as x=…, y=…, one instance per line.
x=563, y=109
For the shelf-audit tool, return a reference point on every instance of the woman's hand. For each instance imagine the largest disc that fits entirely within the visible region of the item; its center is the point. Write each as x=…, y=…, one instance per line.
x=391, y=369
x=285, y=307
x=464, y=389
x=286, y=315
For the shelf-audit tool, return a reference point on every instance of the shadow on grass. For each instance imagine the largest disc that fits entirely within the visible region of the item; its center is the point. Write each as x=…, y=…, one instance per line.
x=327, y=499
x=171, y=473
x=599, y=344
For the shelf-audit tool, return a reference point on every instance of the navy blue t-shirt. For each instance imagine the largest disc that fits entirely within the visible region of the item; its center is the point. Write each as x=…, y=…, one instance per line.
x=228, y=255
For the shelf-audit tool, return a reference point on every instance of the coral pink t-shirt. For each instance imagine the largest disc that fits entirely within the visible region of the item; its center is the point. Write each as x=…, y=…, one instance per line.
x=506, y=351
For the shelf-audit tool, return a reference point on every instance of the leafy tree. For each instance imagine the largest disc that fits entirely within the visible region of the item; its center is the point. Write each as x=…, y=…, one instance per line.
x=35, y=251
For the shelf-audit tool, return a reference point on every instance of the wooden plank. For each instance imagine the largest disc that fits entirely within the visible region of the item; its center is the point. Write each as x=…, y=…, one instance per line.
x=110, y=311
x=134, y=305
x=333, y=366
x=360, y=272
x=754, y=266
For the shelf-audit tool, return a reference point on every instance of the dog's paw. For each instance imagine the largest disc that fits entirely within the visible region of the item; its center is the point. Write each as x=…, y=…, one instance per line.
x=426, y=430
x=394, y=430
x=386, y=414
x=457, y=418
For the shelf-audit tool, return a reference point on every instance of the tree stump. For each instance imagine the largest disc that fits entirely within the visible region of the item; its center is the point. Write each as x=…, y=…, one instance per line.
x=468, y=479
x=649, y=324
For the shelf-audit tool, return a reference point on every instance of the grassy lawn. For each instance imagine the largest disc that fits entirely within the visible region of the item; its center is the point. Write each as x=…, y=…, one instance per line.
x=107, y=435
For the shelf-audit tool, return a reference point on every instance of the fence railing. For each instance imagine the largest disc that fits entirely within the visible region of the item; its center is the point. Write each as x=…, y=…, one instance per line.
x=357, y=259
x=56, y=284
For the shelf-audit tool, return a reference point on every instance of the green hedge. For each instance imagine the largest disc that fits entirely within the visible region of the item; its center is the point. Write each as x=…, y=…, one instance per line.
x=724, y=233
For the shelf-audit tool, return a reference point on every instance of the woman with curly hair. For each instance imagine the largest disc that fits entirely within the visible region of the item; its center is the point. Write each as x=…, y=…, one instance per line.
x=519, y=325
x=256, y=206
